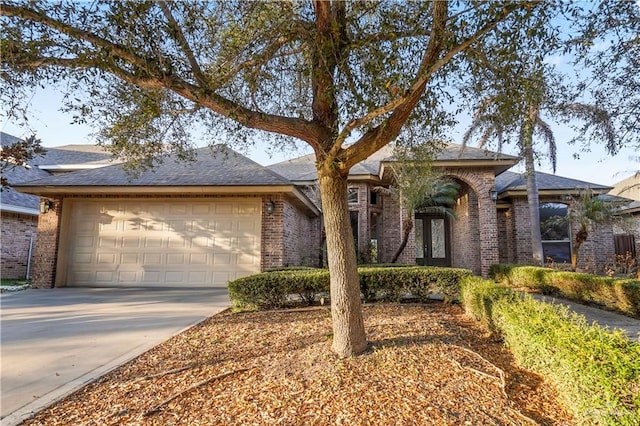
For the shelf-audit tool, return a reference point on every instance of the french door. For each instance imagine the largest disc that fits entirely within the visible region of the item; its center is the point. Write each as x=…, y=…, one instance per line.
x=433, y=245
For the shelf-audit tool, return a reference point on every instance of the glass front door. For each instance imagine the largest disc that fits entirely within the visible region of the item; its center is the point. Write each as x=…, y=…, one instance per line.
x=432, y=240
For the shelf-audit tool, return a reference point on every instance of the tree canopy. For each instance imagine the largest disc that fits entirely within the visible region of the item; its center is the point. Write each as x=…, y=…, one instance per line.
x=346, y=78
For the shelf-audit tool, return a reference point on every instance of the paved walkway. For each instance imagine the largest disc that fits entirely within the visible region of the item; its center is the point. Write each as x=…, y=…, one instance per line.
x=611, y=320
x=56, y=341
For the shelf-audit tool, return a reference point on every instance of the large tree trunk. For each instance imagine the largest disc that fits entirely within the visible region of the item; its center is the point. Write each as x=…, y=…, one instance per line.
x=532, y=190
x=346, y=311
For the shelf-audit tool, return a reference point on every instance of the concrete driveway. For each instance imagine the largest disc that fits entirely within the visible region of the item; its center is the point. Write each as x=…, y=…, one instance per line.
x=55, y=341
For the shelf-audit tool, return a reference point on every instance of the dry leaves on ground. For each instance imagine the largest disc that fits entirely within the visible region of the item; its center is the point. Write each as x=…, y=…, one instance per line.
x=428, y=364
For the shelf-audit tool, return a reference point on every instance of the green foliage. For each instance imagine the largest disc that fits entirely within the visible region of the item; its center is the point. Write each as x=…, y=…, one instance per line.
x=596, y=372
x=271, y=289
x=622, y=295
x=478, y=296
x=377, y=283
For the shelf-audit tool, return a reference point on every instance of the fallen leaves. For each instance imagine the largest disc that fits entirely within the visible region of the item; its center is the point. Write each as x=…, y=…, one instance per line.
x=428, y=364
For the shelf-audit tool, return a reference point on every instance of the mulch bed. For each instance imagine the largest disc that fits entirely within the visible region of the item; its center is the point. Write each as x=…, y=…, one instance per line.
x=428, y=364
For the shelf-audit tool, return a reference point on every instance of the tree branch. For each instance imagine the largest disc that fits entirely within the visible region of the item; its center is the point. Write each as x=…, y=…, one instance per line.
x=324, y=63
x=379, y=136
x=156, y=78
x=115, y=49
x=184, y=44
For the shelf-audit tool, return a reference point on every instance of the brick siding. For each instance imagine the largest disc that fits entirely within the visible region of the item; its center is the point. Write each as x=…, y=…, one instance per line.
x=482, y=224
x=17, y=233
x=47, y=245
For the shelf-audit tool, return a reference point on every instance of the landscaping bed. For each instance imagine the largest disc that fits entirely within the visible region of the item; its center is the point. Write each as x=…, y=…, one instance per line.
x=428, y=364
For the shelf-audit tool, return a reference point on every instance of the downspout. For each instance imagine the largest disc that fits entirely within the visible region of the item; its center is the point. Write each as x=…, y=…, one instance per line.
x=29, y=257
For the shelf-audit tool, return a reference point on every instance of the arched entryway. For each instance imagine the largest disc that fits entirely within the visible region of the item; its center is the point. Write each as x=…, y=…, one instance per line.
x=471, y=240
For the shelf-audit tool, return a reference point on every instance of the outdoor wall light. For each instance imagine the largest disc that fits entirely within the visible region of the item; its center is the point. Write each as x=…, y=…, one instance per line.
x=269, y=207
x=493, y=194
x=46, y=205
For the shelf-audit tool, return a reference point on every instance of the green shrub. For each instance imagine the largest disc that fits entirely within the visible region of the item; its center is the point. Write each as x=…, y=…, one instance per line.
x=377, y=283
x=271, y=289
x=615, y=294
x=596, y=372
x=478, y=296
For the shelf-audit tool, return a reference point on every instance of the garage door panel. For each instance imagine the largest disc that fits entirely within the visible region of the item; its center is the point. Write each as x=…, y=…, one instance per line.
x=180, y=242
x=129, y=258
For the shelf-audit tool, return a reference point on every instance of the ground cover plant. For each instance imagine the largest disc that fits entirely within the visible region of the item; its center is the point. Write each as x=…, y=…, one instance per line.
x=426, y=365
x=622, y=295
x=596, y=372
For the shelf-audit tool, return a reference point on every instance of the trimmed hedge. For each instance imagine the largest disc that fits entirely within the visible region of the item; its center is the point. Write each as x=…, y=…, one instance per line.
x=596, y=372
x=622, y=295
x=377, y=283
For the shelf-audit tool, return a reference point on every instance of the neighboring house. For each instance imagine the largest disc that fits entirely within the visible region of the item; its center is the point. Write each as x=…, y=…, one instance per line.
x=628, y=232
x=20, y=211
x=19, y=216
x=223, y=216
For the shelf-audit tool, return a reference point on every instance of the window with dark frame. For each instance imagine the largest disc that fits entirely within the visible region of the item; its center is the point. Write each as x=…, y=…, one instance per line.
x=555, y=232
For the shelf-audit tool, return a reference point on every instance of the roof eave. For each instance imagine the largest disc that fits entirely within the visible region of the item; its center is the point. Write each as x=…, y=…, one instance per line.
x=151, y=189
x=49, y=191
x=565, y=191
x=19, y=209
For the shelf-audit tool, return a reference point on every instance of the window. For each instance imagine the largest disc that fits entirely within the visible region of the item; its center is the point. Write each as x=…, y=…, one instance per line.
x=374, y=198
x=353, y=218
x=375, y=234
x=352, y=195
x=555, y=232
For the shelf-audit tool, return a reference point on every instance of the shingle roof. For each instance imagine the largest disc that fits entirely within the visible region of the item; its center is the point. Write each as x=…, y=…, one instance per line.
x=9, y=198
x=74, y=154
x=7, y=139
x=221, y=166
x=510, y=181
x=303, y=168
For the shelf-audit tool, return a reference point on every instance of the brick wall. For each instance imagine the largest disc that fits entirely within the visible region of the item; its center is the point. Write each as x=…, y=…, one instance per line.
x=289, y=237
x=481, y=210
x=599, y=249
x=523, y=250
x=46, y=248
x=272, y=234
x=391, y=228
x=506, y=239
x=302, y=244
x=465, y=250
x=18, y=230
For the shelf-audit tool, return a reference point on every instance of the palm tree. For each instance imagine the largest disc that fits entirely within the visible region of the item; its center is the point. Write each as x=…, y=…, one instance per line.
x=587, y=212
x=505, y=114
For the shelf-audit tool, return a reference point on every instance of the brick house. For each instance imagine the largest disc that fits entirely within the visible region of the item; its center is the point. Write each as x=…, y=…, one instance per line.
x=224, y=216
x=19, y=216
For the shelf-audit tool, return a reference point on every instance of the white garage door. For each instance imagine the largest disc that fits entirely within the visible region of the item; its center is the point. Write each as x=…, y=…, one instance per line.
x=168, y=242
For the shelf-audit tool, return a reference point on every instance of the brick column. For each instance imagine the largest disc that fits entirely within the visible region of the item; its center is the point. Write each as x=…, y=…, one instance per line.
x=272, y=247
x=47, y=245
x=490, y=253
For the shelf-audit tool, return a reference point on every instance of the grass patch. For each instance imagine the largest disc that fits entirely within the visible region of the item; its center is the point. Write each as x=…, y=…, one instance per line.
x=13, y=282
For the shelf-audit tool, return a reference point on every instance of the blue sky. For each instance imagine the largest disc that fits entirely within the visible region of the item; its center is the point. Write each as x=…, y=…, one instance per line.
x=54, y=128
